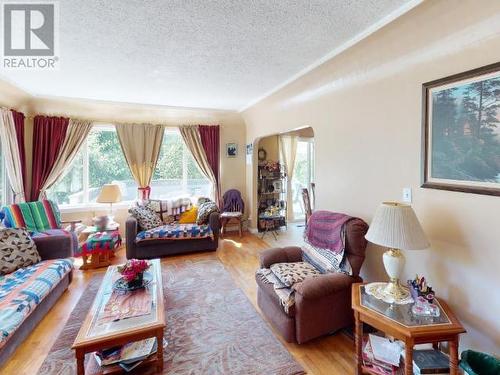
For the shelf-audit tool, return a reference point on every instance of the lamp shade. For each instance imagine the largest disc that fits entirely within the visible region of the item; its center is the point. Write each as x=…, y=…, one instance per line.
x=110, y=193
x=396, y=226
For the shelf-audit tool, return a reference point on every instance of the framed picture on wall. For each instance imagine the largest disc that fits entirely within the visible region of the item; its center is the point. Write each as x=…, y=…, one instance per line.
x=249, y=155
x=461, y=132
x=231, y=150
x=250, y=149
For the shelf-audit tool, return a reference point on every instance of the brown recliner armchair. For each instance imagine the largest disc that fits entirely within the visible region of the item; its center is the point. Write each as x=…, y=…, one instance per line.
x=322, y=303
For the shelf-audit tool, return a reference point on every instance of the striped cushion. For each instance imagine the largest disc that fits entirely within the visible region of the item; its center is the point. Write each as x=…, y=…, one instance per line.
x=34, y=216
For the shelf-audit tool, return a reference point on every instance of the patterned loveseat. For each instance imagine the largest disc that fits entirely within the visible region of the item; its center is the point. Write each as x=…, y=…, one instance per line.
x=170, y=237
x=27, y=294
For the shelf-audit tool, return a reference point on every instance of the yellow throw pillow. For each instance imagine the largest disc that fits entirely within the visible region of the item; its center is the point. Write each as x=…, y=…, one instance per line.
x=189, y=216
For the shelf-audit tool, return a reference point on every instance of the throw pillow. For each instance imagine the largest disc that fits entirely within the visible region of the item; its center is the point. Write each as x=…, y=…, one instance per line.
x=189, y=216
x=202, y=200
x=205, y=210
x=295, y=272
x=160, y=207
x=325, y=260
x=146, y=217
x=17, y=250
x=169, y=219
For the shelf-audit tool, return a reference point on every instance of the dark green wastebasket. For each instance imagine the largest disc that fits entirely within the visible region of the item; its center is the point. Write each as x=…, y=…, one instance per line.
x=476, y=363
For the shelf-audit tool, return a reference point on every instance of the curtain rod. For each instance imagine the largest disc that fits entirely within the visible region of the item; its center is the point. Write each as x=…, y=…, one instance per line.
x=103, y=122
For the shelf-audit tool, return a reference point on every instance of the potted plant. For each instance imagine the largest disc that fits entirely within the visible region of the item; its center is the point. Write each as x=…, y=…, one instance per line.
x=133, y=272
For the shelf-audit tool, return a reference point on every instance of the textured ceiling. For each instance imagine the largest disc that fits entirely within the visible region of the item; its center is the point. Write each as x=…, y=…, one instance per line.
x=195, y=53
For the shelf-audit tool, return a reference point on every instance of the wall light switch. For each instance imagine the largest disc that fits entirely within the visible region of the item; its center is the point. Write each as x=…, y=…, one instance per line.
x=407, y=195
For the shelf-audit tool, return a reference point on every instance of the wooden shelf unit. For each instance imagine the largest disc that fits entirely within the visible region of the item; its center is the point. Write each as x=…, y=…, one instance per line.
x=272, y=192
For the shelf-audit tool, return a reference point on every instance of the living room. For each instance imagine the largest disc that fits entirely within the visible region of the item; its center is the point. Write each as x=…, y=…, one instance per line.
x=147, y=120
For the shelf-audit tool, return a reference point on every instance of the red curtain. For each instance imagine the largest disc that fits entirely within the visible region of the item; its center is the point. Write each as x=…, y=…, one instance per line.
x=210, y=139
x=48, y=137
x=19, y=125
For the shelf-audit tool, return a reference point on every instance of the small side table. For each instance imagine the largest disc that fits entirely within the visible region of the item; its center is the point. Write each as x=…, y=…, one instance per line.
x=270, y=224
x=98, y=248
x=398, y=321
x=227, y=217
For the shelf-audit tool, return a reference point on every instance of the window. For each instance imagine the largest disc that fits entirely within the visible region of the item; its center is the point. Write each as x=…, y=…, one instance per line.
x=101, y=161
x=303, y=174
x=177, y=172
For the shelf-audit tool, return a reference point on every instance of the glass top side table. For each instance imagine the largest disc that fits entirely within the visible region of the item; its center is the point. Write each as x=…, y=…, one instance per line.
x=401, y=314
x=399, y=322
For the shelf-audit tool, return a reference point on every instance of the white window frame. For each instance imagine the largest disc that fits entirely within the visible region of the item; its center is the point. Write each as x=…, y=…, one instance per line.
x=310, y=172
x=185, y=153
x=86, y=205
x=92, y=206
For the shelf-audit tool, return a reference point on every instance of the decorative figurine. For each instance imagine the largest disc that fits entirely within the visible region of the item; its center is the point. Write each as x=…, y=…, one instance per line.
x=423, y=308
x=419, y=288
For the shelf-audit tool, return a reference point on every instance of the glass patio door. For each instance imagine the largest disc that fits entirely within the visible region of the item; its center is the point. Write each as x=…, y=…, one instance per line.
x=303, y=175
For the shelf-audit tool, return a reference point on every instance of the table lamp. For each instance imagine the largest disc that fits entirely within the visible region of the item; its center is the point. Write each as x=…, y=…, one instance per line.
x=110, y=193
x=395, y=226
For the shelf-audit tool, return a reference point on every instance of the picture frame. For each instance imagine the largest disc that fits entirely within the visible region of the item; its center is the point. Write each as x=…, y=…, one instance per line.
x=262, y=154
x=249, y=155
x=232, y=150
x=461, y=132
x=249, y=148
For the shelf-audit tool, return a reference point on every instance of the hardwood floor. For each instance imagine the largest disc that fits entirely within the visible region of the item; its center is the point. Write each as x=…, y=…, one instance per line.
x=329, y=355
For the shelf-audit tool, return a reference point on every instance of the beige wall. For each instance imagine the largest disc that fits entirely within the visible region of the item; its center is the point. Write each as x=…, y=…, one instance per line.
x=232, y=129
x=13, y=97
x=365, y=108
x=271, y=145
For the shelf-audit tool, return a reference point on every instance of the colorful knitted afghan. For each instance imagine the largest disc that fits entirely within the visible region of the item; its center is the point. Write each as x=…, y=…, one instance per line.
x=100, y=242
x=34, y=216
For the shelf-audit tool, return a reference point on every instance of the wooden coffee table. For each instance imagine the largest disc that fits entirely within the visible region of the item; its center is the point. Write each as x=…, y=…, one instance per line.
x=95, y=335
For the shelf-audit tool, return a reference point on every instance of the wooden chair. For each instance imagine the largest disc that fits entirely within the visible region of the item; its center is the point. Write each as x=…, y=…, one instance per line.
x=307, y=204
x=232, y=212
x=313, y=195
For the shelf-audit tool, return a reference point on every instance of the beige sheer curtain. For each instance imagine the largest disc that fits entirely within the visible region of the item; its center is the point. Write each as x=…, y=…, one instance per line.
x=141, y=145
x=77, y=132
x=192, y=139
x=10, y=151
x=288, y=151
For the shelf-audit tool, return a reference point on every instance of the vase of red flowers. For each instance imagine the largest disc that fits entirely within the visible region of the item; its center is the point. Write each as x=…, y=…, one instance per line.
x=133, y=272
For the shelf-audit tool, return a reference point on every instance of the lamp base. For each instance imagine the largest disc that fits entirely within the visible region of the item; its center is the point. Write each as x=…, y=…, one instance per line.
x=395, y=290
x=391, y=292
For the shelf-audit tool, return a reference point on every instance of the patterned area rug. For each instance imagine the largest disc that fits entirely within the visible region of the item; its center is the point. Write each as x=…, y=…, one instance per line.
x=212, y=328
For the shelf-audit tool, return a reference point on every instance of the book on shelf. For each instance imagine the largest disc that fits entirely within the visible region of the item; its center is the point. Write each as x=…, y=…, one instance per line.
x=430, y=361
x=127, y=356
x=385, y=350
x=375, y=365
x=386, y=357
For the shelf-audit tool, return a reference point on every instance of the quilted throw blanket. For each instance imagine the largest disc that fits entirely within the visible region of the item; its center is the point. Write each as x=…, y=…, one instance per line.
x=21, y=291
x=176, y=231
